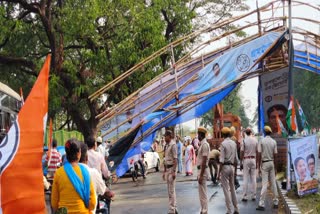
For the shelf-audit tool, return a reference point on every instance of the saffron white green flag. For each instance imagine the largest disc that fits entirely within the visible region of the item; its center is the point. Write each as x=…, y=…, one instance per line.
x=291, y=118
x=283, y=130
x=305, y=124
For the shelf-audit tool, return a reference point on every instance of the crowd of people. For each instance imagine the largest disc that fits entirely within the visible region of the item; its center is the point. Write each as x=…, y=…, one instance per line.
x=80, y=180
x=78, y=183
x=224, y=160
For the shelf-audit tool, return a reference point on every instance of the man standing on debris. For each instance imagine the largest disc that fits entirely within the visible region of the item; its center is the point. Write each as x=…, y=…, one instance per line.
x=267, y=151
x=170, y=166
x=202, y=165
x=228, y=161
x=248, y=152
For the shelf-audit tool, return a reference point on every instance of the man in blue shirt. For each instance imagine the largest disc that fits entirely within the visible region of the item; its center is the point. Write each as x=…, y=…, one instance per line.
x=179, y=152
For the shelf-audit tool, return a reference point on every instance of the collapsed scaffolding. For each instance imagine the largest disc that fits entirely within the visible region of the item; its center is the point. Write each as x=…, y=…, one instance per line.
x=168, y=99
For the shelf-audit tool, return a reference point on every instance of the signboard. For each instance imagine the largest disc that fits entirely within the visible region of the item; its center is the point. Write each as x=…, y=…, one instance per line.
x=303, y=156
x=275, y=87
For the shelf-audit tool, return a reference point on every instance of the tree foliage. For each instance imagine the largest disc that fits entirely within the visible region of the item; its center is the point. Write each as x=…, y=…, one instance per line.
x=233, y=104
x=305, y=84
x=91, y=43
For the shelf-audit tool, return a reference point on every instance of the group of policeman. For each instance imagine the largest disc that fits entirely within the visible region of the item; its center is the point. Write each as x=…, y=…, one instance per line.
x=253, y=155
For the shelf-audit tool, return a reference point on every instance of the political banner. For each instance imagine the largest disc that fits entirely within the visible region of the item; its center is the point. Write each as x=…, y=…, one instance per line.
x=303, y=156
x=275, y=87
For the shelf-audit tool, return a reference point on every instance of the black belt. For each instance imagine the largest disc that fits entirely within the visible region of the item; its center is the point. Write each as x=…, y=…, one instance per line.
x=199, y=167
x=266, y=161
x=227, y=163
x=169, y=166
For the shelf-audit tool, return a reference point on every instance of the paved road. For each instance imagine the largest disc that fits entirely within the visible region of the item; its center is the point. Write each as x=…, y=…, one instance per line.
x=150, y=196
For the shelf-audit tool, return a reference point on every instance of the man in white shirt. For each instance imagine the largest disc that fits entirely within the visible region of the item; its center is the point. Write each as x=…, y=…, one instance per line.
x=95, y=159
x=102, y=148
x=248, y=154
x=98, y=183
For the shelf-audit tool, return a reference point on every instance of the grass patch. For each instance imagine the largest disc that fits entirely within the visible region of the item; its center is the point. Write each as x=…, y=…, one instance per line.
x=307, y=204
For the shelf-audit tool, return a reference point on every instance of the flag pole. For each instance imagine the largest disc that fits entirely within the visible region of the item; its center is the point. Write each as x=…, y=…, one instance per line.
x=290, y=90
x=291, y=54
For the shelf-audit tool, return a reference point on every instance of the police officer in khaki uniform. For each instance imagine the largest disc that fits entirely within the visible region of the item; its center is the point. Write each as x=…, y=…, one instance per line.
x=202, y=165
x=228, y=162
x=248, y=154
x=213, y=163
x=170, y=166
x=234, y=138
x=267, y=151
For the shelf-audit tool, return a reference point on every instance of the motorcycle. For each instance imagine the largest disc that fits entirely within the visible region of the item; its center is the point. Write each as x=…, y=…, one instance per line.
x=103, y=205
x=138, y=168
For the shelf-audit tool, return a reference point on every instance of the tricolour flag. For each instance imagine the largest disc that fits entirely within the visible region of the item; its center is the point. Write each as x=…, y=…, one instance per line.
x=305, y=124
x=21, y=176
x=281, y=129
x=291, y=117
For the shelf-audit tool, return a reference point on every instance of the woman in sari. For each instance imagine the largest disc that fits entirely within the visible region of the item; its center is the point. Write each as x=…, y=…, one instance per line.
x=72, y=188
x=189, y=156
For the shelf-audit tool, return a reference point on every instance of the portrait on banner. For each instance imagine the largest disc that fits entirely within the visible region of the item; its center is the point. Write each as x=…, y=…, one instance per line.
x=303, y=152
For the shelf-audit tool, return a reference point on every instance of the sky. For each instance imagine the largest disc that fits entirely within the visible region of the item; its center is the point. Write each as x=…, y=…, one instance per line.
x=249, y=87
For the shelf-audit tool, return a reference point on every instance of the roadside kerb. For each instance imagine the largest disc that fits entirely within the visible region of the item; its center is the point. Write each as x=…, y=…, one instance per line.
x=290, y=206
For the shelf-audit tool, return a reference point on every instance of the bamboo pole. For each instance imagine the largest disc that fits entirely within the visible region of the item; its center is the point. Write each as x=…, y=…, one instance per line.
x=165, y=101
x=106, y=116
x=214, y=39
x=258, y=17
x=192, y=99
x=132, y=95
x=314, y=20
x=179, y=41
x=125, y=101
x=173, y=44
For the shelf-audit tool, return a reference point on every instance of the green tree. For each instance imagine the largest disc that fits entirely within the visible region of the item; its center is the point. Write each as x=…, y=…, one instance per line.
x=207, y=119
x=91, y=43
x=305, y=84
x=232, y=103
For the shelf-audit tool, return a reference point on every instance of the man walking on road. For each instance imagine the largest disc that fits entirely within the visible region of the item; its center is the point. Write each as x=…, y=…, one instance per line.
x=170, y=166
x=228, y=161
x=248, y=153
x=202, y=165
x=234, y=138
x=267, y=151
x=179, y=148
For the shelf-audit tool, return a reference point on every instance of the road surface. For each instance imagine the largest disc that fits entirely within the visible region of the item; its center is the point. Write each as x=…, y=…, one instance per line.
x=150, y=196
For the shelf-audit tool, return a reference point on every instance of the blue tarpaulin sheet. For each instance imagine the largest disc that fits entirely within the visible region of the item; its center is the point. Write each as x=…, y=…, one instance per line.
x=214, y=82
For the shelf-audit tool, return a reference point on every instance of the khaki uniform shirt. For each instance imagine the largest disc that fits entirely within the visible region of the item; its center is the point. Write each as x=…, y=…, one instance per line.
x=249, y=146
x=203, y=150
x=228, y=151
x=170, y=152
x=267, y=147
